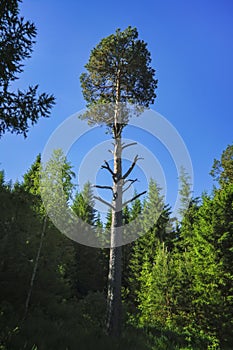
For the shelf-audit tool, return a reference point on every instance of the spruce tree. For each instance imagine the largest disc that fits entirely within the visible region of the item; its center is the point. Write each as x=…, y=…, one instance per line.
x=154, y=231
x=222, y=170
x=157, y=293
x=184, y=191
x=18, y=109
x=89, y=274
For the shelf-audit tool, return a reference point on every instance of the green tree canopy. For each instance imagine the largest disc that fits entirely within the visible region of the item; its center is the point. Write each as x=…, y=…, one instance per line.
x=118, y=70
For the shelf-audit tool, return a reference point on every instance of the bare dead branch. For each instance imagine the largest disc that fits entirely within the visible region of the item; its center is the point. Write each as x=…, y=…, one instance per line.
x=107, y=166
x=136, y=158
x=131, y=183
x=103, y=201
x=105, y=187
x=129, y=180
x=129, y=144
x=133, y=199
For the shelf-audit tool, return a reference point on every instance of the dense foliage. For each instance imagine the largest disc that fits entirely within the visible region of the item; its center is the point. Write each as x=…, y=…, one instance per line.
x=177, y=282
x=18, y=109
x=124, y=58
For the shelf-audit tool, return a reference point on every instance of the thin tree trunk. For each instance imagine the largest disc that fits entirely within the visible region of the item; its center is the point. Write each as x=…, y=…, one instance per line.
x=35, y=267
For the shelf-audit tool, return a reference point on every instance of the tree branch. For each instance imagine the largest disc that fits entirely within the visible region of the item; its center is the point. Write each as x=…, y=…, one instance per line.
x=103, y=201
x=129, y=144
x=132, y=199
x=131, y=182
x=136, y=158
x=105, y=187
x=107, y=166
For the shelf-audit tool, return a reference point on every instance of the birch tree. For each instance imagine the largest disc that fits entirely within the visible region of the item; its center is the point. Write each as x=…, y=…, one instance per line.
x=118, y=72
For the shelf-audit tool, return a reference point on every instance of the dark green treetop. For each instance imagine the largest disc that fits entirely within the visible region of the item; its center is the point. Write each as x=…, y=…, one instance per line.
x=119, y=70
x=84, y=204
x=20, y=108
x=222, y=169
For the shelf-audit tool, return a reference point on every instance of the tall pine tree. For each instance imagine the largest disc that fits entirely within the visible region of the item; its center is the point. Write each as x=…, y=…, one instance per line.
x=118, y=71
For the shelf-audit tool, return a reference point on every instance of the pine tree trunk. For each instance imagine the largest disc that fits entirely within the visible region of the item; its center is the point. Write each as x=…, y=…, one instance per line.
x=115, y=261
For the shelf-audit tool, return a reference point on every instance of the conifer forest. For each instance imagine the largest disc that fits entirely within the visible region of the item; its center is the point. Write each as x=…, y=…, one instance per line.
x=169, y=289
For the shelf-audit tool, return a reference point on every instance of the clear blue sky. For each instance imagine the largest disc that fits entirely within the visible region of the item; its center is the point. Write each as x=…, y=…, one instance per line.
x=192, y=51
